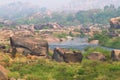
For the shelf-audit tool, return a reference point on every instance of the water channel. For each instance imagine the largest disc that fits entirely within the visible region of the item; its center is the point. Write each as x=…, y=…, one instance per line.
x=75, y=43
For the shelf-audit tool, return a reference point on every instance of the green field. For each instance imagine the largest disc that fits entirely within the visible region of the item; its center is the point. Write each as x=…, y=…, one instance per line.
x=47, y=69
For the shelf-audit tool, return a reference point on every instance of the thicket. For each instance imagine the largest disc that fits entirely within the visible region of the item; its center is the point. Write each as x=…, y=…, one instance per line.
x=93, y=16
x=106, y=40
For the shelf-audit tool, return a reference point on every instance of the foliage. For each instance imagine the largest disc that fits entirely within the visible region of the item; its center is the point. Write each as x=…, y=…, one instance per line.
x=104, y=51
x=14, y=74
x=101, y=37
x=47, y=69
x=98, y=16
x=44, y=69
x=107, y=41
x=60, y=35
x=93, y=16
x=50, y=70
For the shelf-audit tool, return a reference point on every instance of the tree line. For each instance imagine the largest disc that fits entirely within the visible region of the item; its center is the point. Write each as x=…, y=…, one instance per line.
x=93, y=16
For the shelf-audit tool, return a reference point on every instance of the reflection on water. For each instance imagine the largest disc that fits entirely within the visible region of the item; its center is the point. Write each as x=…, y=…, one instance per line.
x=76, y=43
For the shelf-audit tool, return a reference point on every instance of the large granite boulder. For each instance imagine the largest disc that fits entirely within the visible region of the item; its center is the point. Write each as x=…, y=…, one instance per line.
x=32, y=45
x=115, y=55
x=96, y=56
x=95, y=42
x=115, y=23
x=66, y=55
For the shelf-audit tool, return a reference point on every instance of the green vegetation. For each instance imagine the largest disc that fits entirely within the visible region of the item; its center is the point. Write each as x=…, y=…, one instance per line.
x=93, y=16
x=98, y=16
x=105, y=52
x=1, y=25
x=44, y=69
x=107, y=41
x=49, y=70
x=60, y=35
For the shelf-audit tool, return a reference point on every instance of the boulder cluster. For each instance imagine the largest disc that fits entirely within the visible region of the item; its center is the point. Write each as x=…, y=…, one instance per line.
x=37, y=47
x=115, y=23
x=66, y=55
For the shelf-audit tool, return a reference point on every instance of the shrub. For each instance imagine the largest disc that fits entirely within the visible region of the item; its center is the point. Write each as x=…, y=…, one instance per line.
x=105, y=52
x=14, y=75
x=61, y=35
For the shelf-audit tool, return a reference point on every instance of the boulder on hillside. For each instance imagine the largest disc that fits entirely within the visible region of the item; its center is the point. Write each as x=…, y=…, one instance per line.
x=115, y=23
x=32, y=45
x=115, y=55
x=24, y=33
x=66, y=55
x=95, y=42
x=96, y=56
x=47, y=26
x=5, y=33
x=3, y=73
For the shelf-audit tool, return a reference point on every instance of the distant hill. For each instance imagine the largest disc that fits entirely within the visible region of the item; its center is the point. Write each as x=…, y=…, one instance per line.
x=90, y=4
x=18, y=9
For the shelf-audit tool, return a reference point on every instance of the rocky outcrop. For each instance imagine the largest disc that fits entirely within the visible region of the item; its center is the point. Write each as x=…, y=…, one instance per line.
x=115, y=23
x=47, y=26
x=34, y=46
x=115, y=55
x=5, y=33
x=66, y=55
x=7, y=23
x=25, y=27
x=3, y=73
x=96, y=56
x=51, y=39
x=3, y=76
x=23, y=33
x=95, y=42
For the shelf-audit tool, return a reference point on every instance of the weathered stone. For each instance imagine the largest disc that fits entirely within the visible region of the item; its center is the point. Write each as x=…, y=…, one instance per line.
x=47, y=25
x=96, y=56
x=115, y=23
x=66, y=55
x=2, y=46
x=3, y=76
x=34, y=46
x=95, y=42
x=115, y=55
x=5, y=34
x=12, y=78
x=3, y=73
x=20, y=79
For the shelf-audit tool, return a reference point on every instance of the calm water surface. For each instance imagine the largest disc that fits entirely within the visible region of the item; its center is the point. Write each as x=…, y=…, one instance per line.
x=75, y=43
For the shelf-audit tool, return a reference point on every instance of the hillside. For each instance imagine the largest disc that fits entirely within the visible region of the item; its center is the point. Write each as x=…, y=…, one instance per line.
x=17, y=10
x=91, y=4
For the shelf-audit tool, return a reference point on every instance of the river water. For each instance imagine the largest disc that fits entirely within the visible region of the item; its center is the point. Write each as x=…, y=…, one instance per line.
x=75, y=43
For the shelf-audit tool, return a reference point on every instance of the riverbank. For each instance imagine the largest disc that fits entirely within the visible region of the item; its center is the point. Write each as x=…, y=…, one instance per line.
x=107, y=41
x=33, y=67
x=76, y=43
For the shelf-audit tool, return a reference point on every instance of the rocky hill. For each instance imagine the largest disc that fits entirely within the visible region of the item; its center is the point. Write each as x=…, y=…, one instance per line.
x=17, y=9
